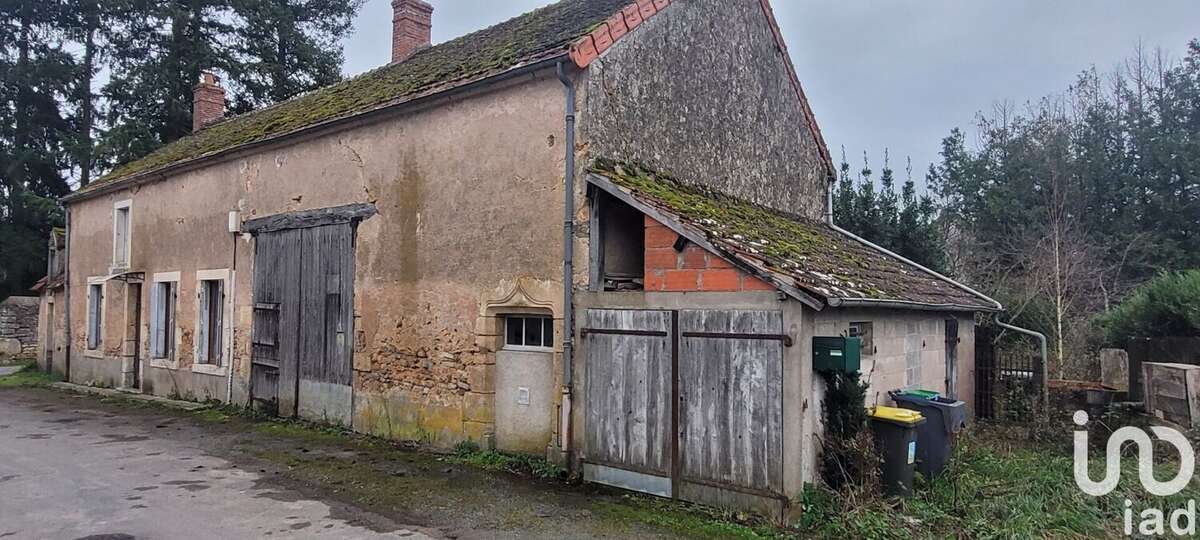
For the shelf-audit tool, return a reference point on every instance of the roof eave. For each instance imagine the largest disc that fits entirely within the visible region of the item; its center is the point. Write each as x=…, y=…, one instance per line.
x=333, y=123
x=700, y=239
x=906, y=304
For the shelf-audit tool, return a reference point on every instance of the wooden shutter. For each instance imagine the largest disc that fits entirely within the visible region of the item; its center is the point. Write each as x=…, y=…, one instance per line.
x=121, y=226
x=93, y=316
x=202, y=335
x=157, y=332
x=217, y=345
x=171, y=298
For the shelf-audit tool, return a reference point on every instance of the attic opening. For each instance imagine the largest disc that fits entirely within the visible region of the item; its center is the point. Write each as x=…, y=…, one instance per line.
x=618, y=245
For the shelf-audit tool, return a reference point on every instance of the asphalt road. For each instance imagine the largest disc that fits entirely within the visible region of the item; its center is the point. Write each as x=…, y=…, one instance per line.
x=70, y=471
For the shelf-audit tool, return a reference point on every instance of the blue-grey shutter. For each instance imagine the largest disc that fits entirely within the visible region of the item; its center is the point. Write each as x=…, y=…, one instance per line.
x=202, y=339
x=172, y=300
x=157, y=350
x=218, y=336
x=93, y=317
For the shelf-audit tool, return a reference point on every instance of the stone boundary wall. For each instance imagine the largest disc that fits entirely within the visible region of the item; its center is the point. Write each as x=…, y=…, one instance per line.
x=19, y=327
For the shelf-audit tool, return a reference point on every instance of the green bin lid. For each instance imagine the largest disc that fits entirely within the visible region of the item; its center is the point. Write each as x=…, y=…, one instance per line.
x=923, y=394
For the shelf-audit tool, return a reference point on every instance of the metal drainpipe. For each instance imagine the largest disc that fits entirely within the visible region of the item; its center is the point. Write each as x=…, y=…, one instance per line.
x=67, y=290
x=568, y=255
x=1045, y=371
x=232, y=325
x=829, y=200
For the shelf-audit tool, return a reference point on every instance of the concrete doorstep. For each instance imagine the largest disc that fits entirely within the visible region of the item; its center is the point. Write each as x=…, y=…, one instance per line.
x=130, y=394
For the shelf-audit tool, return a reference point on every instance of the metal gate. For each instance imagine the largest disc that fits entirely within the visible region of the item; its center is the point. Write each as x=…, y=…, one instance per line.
x=684, y=398
x=1007, y=381
x=303, y=307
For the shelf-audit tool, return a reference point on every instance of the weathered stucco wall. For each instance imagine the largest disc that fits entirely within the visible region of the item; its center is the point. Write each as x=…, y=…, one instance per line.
x=909, y=349
x=52, y=326
x=469, y=196
x=701, y=92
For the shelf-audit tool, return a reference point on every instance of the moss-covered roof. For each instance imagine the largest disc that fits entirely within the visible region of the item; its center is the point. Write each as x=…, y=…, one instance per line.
x=535, y=36
x=817, y=258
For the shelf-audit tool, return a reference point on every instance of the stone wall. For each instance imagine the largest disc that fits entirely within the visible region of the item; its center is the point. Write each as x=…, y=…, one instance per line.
x=19, y=327
x=702, y=92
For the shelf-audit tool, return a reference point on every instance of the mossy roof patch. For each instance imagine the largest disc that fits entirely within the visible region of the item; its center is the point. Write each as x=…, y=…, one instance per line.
x=817, y=258
x=537, y=35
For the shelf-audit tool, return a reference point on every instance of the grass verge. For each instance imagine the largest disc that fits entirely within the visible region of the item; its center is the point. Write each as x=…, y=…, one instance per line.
x=996, y=487
x=28, y=377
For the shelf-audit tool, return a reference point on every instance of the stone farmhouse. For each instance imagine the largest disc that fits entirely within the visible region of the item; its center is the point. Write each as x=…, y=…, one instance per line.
x=599, y=232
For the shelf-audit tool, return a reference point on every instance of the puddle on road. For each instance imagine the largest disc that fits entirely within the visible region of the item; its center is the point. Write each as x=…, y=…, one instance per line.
x=190, y=485
x=115, y=439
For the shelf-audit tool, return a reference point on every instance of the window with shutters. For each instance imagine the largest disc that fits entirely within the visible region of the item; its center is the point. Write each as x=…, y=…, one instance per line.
x=121, y=237
x=164, y=297
x=95, y=315
x=211, y=339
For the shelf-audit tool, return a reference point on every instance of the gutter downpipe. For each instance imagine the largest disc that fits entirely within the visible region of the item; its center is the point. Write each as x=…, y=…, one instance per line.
x=230, y=364
x=1045, y=371
x=568, y=261
x=67, y=290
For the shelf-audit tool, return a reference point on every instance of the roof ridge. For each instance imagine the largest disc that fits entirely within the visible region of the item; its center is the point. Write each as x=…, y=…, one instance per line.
x=510, y=44
x=588, y=48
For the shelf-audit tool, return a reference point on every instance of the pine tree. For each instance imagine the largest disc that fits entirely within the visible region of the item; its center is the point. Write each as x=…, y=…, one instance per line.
x=35, y=74
x=905, y=224
x=287, y=47
x=159, y=48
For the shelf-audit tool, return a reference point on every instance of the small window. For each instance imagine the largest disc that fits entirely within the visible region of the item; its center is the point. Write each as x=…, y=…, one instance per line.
x=95, y=315
x=121, y=240
x=531, y=332
x=163, y=299
x=865, y=332
x=212, y=322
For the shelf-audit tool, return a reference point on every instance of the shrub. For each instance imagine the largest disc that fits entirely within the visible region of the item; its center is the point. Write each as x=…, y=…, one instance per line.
x=848, y=457
x=1167, y=306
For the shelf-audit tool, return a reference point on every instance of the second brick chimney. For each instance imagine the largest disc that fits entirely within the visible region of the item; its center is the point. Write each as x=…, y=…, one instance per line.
x=208, y=101
x=412, y=26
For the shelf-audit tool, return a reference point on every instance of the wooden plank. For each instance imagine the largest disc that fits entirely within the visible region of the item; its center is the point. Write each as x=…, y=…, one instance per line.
x=310, y=218
x=627, y=411
x=731, y=400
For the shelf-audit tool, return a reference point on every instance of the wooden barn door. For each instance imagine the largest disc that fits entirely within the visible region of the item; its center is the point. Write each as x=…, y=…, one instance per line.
x=326, y=301
x=629, y=416
x=676, y=400
x=731, y=400
x=303, y=310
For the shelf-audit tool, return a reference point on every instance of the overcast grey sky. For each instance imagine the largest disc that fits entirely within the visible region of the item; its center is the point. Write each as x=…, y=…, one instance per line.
x=897, y=74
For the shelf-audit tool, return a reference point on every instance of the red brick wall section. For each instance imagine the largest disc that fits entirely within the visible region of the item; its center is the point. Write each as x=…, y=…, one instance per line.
x=208, y=101
x=694, y=269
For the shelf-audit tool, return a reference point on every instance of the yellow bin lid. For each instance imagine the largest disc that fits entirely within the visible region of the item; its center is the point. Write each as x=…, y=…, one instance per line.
x=897, y=415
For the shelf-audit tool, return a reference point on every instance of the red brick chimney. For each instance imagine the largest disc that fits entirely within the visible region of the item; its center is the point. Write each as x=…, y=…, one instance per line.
x=208, y=101
x=412, y=24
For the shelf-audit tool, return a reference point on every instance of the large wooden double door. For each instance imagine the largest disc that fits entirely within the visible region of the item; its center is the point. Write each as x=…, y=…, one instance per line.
x=679, y=400
x=301, y=362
